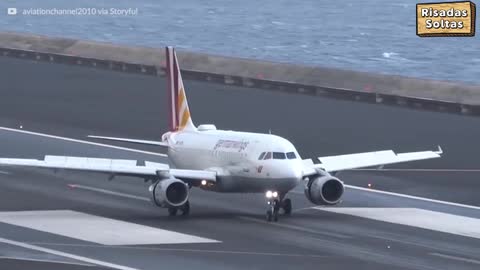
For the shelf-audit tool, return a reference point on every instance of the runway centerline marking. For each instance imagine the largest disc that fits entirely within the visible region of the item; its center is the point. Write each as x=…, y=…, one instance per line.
x=402, y=196
x=81, y=141
x=233, y=252
x=109, y=192
x=416, y=170
x=296, y=228
x=455, y=258
x=44, y=260
x=414, y=217
x=97, y=229
x=66, y=255
x=413, y=197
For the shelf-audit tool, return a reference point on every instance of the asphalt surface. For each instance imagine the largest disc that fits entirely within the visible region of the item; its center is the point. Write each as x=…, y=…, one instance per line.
x=74, y=102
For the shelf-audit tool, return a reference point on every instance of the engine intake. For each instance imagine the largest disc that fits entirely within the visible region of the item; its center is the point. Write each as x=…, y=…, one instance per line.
x=169, y=193
x=324, y=190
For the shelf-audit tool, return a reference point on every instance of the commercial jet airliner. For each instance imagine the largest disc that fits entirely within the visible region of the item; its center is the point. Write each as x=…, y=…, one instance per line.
x=225, y=161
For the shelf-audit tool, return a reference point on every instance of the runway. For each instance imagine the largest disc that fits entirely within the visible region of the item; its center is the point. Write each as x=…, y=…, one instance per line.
x=74, y=102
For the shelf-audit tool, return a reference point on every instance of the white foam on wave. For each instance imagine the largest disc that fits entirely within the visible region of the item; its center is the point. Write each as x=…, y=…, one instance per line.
x=274, y=47
x=391, y=57
x=278, y=23
x=389, y=54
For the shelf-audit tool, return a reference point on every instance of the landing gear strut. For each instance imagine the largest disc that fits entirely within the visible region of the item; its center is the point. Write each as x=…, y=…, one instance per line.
x=275, y=203
x=272, y=212
x=185, y=209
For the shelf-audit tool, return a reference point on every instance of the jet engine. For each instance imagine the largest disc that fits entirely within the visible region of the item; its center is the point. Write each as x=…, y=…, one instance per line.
x=170, y=192
x=324, y=190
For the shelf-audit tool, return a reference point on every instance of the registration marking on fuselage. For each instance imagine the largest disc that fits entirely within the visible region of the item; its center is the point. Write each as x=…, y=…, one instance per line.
x=420, y=218
x=96, y=229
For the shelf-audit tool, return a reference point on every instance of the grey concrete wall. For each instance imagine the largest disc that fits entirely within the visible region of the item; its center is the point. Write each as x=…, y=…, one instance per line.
x=353, y=85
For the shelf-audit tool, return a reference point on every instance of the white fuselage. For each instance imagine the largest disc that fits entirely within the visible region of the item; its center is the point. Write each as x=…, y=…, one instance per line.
x=235, y=156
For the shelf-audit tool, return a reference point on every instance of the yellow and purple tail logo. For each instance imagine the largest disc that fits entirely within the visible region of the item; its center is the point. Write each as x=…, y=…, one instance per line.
x=180, y=118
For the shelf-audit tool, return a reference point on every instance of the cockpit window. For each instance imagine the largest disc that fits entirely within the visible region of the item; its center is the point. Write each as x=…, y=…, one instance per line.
x=278, y=155
x=268, y=155
x=291, y=155
x=261, y=156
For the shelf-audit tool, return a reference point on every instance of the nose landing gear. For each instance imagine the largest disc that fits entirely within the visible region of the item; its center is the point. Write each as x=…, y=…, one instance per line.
x=272, y=212
x=275, y=203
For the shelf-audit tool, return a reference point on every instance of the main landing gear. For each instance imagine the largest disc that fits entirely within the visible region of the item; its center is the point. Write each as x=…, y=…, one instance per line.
x=185, y=209
x=275, y=203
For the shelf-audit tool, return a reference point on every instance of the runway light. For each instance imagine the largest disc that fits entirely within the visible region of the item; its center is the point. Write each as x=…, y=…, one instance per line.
x=275, y=194
x=204, y=182
x=269, y=194
x=369, y=185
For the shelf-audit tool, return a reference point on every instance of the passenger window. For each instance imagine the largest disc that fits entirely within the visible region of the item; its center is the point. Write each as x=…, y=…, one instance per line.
x=261, y=156
x=291, y=155
x=268, y=155
x=278, y=155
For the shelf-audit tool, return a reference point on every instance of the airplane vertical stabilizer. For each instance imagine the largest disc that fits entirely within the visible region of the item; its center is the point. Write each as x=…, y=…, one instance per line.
x=180, y=118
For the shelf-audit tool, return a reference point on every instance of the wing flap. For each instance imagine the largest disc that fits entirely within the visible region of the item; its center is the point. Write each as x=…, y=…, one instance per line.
x=368, y=159
x=194, y=174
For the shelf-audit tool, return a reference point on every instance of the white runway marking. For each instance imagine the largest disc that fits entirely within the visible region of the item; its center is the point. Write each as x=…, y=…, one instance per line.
x=109, y=192
x=81, y=141
x=6, y=173
x=296, y=228
x=67, y=255
x=430, y=220
x=45, y=261
x=97, y=229
x=416, y=170
x=455, y=258
x=159, y=249
x=414, y=197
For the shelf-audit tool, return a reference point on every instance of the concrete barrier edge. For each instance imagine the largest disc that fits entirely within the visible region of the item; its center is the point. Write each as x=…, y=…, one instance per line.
x=281, y=86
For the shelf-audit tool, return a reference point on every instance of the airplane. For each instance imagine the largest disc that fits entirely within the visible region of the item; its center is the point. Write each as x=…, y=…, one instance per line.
x=225, y=161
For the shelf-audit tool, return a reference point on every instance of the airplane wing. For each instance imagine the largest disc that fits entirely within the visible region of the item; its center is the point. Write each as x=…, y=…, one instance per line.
x=113, y=167
x=130, y=140
x=368, y=159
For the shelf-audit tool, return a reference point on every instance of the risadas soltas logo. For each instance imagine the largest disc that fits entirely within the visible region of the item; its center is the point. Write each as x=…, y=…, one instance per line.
x=446, y=19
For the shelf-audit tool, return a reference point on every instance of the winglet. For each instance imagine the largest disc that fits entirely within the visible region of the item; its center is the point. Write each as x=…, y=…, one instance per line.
x=439, y=151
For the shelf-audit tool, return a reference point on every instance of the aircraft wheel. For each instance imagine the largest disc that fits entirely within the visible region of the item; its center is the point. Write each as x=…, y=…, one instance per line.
x=269, y=215
x=185, y=209
x=275, y=216
x=172, y=211
x=276, y=209
x=287, y=206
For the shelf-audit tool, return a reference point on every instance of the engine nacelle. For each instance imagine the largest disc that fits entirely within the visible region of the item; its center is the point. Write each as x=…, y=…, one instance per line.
x=169, y=193
x=324, y=190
